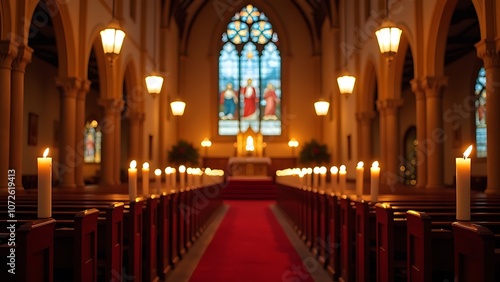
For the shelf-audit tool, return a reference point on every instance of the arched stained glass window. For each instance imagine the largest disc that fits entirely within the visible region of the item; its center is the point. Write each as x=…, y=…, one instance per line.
x=92, y=140
x=480, y=120
x=249, y=75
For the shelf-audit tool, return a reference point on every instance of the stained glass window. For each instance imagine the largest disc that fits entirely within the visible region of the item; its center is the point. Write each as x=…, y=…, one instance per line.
x=480, y=117
x=249, y=75
x=92, y=142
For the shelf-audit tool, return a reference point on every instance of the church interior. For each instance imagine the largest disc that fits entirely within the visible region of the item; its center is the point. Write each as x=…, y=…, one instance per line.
x=229, y=140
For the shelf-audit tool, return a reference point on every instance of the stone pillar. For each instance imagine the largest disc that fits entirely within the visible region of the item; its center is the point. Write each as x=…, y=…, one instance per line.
x=365, y=128
x=487, y=50
x=421, y=165
x=390, y=109
x=108, y=129
x=17, y=112
x=435, y=136
x=118, y=144
x=80, y=130
x=8, y=51
x=69, y=88
x=383, y=137
x=135, y=119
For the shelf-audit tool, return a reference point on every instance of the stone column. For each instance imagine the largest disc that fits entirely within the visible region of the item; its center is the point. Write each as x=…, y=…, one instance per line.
x=389, y=110
x=487, y=50
x=17, y=112
x=135, y=119
x=421, y=165
x=80, y=130
x=119, y=104
x=69, y=88
x=8, y=51
x=365, y=128
x=435, y=136
x=108, y=129
x=383, y=137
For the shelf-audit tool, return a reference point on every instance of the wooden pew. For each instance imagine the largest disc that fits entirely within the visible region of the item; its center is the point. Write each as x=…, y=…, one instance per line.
x=75, y=249
x=163, y=236
x=149, y=239
x=132, y=243
x=34, y=252
x=347, y=239
x=476, y=258
x=334, y=236
x=173, y=230
x=110, y=243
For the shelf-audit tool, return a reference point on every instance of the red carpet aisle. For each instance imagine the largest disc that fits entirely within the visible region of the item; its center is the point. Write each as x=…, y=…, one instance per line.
x=250, y=246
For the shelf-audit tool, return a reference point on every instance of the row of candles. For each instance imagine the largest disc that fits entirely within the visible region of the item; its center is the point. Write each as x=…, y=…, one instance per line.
x=316, y=178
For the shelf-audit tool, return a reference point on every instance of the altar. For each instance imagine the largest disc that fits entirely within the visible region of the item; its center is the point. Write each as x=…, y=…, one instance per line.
x=249, y=166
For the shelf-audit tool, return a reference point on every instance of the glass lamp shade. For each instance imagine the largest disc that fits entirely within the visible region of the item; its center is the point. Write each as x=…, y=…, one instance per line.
x=177, y=107
x=112, y=38
x=154, y=83
x=346, y=83
x=388, y=36
x=321, y=107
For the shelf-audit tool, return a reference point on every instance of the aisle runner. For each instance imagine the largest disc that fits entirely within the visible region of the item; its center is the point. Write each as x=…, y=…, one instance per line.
x=250, y=246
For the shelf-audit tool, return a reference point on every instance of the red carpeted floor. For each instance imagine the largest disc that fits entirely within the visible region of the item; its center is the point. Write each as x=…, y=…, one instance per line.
x=250, y=245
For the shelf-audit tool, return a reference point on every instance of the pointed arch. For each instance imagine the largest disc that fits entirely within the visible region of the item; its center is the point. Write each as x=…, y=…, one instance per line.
x=369, y=86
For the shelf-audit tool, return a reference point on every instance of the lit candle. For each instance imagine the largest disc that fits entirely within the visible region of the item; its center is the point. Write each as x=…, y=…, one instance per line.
x=463, y=185
x=342, y=179
x=315, y=177
x=168, y=178
x=322, y=180
x=173, y=179
x=374, y=181
x=360, y=170
x=44, y=185
x=132, y=180
x=334, y=173
x=189, y=172
x=158, y=180
x=145, y=179
x=309, y=178
x=182, y=180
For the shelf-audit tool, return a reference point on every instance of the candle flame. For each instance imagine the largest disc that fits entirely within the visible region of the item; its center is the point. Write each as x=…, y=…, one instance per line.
x=322, y=170
x=467, y=152
x=316, y=170
x=342, y=168
x=361, y=164
x=375, y=164
x=182, y=169
x=334, y=169
x=46, y=153
x=133, y=164
x=145, y=165
x=168, y=170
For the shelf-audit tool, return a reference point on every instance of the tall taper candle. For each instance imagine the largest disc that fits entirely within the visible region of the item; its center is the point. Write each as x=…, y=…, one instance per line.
x=463, y=185
x=360, y=170
x=158, y=180
x=132, y=180
x=322, y=179
x=44, y=185
x=145, y=179
x=334, y=179
x=168, y=178
x=342, y=179
x=182, y=177
x=309, y=178
x=315, y=177
x=374, y=181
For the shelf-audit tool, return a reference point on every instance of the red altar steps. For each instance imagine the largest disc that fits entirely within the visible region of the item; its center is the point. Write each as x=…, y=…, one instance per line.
x=249, y=188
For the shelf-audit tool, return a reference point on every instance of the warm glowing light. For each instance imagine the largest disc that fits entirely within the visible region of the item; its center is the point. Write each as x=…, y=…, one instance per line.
x=157, y=172
x=182, y=169
x=112, y=38
x=177, y=107
x=189, y=170
x=206, y=143
x=309, y=170
x=168, y=170
x=334, y=169
x=133, y=164
x=361, y=164
x=249, y=146
x=316, y=170
x=154, y=83
x=342, y=168
x=322, y=170
x=145, y=165
x=346, y=83
x=46, y=153
x=388, y=37
x=293, y=143
x=467, y=152
x=375, y=164
x=321, y=107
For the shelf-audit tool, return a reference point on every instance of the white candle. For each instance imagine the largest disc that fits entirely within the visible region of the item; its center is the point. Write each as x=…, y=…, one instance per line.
x=173, y=179
x=132, y=180
x=168, y=178
x=360, y=170
x=182, y=180
x=158, y=180
x=145, y=179
x=322, y=180
x=342, y=179
x=463, y=185
x=189, y=174
x=309, y=178
x=334, y=173
x=315, y=177
x=374, y=181
x=44, y=185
